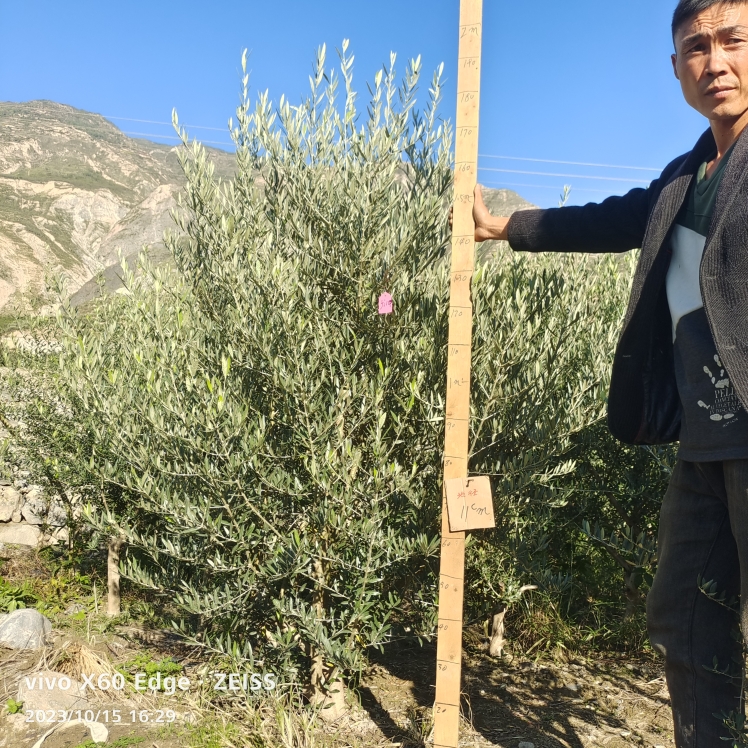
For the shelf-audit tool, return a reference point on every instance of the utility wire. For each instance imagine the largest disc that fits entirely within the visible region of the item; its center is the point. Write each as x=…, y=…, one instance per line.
x=483, y=155
x=571, y=163
x=154, y=122
x=542, y=187
x=171, y=137
x=481, y=168
x=566, y=176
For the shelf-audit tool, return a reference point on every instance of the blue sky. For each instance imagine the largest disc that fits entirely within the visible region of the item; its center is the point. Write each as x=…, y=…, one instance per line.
x=580, y=81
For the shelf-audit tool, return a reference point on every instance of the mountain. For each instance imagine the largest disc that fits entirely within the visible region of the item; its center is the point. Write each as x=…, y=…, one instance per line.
x=75, y=190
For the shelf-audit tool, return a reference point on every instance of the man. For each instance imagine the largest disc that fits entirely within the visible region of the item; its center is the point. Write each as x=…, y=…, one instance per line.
x=680, y=372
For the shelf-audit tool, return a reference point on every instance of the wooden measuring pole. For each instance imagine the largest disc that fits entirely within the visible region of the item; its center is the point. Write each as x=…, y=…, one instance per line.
x=452, y=571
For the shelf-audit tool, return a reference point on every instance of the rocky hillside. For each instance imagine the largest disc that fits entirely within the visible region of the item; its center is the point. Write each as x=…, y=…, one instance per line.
x=75, y=190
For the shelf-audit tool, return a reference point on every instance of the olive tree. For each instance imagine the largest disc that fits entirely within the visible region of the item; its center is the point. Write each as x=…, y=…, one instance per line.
x=271, y=434
x=269, y=446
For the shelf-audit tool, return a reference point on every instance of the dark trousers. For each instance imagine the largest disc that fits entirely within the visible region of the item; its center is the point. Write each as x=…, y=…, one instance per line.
x=703, y=536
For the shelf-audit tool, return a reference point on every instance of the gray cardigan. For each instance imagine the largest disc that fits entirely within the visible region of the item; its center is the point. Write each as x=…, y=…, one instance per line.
x=643, y=404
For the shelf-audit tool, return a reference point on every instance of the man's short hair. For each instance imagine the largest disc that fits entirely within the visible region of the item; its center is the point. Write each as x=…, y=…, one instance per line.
x=687, y=9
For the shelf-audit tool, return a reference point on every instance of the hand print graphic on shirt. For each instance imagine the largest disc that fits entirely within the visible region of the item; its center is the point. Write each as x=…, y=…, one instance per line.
x=726, y=403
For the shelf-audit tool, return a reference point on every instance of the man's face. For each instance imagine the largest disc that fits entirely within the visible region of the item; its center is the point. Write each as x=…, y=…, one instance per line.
x=711, y=61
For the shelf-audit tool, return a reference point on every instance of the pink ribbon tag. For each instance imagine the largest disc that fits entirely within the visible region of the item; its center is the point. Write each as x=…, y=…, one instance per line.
x=385, y=303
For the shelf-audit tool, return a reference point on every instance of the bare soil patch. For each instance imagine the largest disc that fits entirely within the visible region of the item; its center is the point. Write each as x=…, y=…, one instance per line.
x=610, y=701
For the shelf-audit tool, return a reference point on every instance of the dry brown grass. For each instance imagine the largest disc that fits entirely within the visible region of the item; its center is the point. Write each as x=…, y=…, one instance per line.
x=20, y=564
x=74, y=658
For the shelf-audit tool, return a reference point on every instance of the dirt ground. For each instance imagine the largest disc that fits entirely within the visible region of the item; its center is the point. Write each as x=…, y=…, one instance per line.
x=143, y=718
x=609, y=701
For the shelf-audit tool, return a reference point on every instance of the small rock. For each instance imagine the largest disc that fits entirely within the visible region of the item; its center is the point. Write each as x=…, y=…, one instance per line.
x=48, y=691
x=4, y=482
x=31, y=516
x=571, y=687
x=55, y=536
x=35, y=507
x=24, y=473
x=57, y=515
x=24, y=629
x=10, y=500
x=74, y=608
x=19, y=483
x=526, y=744
x=15, y=533
x=61, y=535
x=17, y=516
x=13, y=723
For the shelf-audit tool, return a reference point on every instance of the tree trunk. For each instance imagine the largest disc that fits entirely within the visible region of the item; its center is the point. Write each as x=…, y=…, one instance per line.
x=497, y=634
x=329, y=696
x=114, y=601
x=633, y=595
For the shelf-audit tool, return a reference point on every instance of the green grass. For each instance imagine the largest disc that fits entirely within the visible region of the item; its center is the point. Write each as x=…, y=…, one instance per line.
x=144, y=663
x=214, y=733
x=10, y=322
x=14, y=597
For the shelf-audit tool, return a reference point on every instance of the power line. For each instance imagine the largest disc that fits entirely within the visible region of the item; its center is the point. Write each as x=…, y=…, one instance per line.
x=171, y=137
x=482, y=168
x=571, y=163
x=566, y=176
x=168, y=124
x=543, y=187
x=484, y=155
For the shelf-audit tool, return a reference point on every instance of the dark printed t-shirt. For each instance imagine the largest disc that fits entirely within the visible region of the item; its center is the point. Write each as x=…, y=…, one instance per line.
x=715, y=424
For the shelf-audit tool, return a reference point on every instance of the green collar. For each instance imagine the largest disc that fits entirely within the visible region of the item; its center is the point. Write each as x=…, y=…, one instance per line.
x=702, y=181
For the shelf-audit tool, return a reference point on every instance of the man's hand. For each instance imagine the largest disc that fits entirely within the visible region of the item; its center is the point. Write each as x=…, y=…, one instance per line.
x=487, y=227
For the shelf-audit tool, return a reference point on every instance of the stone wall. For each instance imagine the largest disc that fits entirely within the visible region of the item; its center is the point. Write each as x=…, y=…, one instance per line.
x=29, y=516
